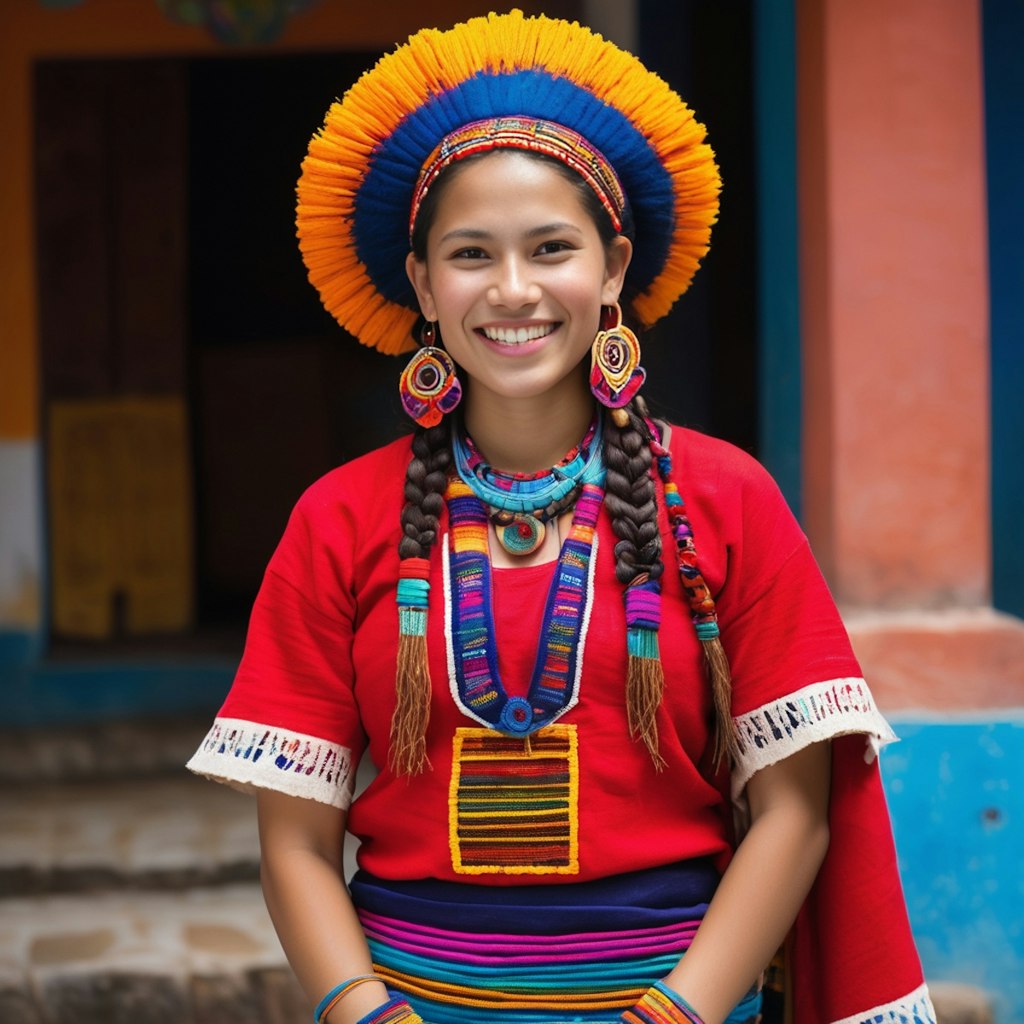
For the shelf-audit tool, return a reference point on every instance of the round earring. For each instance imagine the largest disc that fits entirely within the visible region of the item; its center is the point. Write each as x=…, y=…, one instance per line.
x=429, y=387
x=615, y=371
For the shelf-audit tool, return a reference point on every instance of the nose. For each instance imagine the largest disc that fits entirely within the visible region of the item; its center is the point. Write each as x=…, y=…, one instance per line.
x=513, y=285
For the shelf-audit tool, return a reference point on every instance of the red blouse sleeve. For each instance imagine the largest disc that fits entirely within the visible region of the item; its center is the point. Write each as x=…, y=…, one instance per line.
x=795, y=677
x=290, y=721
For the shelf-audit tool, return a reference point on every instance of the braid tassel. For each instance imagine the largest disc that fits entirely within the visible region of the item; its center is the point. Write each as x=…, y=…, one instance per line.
x=726, y=742
x=408, y=748
x=645, y=677
x=702, y=609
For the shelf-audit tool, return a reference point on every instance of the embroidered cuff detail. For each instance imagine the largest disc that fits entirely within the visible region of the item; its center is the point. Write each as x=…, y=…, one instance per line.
x=249, y=756
x=915, y=1008
x=821, y=711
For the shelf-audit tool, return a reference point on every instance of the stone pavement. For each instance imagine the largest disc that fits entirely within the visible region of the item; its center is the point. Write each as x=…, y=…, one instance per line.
x=129, y=891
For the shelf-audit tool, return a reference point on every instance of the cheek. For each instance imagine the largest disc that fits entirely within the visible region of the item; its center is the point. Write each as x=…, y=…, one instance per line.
x=584, y=296
x=453, y=294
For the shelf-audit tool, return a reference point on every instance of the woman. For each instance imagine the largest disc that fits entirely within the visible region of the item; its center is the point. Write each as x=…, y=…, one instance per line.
x=551, y=828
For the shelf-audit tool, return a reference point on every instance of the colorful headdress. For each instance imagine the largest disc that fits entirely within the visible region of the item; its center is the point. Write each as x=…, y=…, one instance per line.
x=355, y=194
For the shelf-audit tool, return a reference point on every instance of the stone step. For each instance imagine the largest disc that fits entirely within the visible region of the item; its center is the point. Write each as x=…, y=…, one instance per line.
x=112, y=749
x=149, y=832
x=204, y=955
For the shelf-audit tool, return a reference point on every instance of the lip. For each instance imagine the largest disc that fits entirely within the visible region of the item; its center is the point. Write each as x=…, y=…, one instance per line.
x=518, y=348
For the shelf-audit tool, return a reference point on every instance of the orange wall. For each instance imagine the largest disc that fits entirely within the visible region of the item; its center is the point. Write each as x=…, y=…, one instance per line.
x=104, y=28
x=895, y=300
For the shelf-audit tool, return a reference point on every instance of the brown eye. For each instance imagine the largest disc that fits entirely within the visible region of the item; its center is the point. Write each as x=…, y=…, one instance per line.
x=552, y=248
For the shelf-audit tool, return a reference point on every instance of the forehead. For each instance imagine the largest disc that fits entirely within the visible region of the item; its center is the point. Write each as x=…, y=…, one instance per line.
x=510, y=184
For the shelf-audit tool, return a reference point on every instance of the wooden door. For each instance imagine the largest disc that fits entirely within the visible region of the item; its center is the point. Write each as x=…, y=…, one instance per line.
x=111, y=216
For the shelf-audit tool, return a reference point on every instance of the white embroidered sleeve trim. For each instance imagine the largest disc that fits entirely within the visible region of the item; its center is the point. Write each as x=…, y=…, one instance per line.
x=915, y=1008
x=249, y=756
x=821, y=711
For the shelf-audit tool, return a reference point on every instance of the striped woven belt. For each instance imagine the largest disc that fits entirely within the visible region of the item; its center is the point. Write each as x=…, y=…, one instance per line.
x=534, y=954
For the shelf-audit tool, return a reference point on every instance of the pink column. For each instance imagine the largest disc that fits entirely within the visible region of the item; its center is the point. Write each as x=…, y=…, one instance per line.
x=895, y=301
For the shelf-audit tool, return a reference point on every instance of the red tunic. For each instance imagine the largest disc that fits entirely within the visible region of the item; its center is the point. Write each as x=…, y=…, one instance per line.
x=316, y=688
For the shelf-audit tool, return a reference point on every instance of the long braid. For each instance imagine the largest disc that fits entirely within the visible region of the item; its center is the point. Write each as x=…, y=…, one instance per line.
x=425, y=481
x=630, y=451
x=702, y=605
x=630, y=497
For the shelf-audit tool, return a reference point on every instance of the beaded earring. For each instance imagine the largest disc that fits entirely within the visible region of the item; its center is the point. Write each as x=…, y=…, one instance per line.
x=615, y=371
x=429, y=386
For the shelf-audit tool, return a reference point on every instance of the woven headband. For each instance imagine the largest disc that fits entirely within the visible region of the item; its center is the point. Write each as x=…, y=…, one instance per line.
x=535, y=136
x=636, y=139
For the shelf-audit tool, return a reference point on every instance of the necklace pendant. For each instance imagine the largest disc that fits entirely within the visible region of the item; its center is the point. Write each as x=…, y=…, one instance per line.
x=522, y=535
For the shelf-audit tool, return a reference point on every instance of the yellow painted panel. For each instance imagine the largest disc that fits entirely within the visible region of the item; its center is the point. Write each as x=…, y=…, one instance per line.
x=120, y=517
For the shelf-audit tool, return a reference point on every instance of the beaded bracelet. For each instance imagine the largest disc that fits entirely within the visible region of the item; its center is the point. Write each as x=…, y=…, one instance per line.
x=335, y=996
x=394, y=1011
x=661, y=1005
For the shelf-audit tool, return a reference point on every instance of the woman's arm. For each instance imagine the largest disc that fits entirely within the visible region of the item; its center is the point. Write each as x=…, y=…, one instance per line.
x=764, y=886
x=301, y=843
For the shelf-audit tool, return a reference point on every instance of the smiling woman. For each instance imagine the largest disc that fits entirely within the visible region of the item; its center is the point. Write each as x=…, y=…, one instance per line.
x=485, y=610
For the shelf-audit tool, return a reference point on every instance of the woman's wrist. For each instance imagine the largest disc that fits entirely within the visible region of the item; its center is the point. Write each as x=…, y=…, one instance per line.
x=364, y=1002
x=661, y=1005
x=351, y=999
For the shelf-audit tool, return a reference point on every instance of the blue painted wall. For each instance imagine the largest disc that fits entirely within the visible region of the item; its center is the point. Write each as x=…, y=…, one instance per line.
x=44, y=694
x=957, y=804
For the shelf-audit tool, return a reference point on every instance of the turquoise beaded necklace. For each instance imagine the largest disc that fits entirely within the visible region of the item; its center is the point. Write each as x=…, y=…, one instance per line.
x=519, y=505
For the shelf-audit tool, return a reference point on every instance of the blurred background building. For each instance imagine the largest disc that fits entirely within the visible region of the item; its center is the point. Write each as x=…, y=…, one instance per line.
x=169, y=383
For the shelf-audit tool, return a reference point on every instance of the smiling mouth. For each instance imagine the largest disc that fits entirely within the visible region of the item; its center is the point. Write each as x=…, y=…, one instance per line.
x=517, y=335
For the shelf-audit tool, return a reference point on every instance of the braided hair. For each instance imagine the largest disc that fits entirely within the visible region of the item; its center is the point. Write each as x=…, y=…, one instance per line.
x=631, y=501
x=632, y=445
x=425, y=481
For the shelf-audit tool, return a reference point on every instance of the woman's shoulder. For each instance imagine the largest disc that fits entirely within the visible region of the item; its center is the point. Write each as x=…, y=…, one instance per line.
x=712, y=466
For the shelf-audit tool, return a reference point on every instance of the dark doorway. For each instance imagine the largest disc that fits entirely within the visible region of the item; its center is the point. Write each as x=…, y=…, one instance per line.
x=702, y=359
x=279, y=393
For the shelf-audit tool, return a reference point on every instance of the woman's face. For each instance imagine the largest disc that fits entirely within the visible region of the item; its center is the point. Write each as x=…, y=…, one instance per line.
x=515, y=275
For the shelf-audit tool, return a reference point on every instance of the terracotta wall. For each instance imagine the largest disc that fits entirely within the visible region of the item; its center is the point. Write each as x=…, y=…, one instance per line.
x=895, y=300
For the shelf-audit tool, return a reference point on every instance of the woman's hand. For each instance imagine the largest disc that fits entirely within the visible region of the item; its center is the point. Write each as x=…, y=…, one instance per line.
x=764, y=886
x=660, y=1005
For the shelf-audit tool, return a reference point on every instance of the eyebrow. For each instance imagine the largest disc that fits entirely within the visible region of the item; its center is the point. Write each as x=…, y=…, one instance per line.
x=477, y=234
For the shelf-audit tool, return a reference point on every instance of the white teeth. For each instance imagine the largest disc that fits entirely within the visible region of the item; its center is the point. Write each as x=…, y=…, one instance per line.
x=517, y=335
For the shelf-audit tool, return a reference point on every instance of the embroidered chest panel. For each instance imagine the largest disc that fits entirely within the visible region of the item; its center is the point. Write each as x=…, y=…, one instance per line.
x=513, y=805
